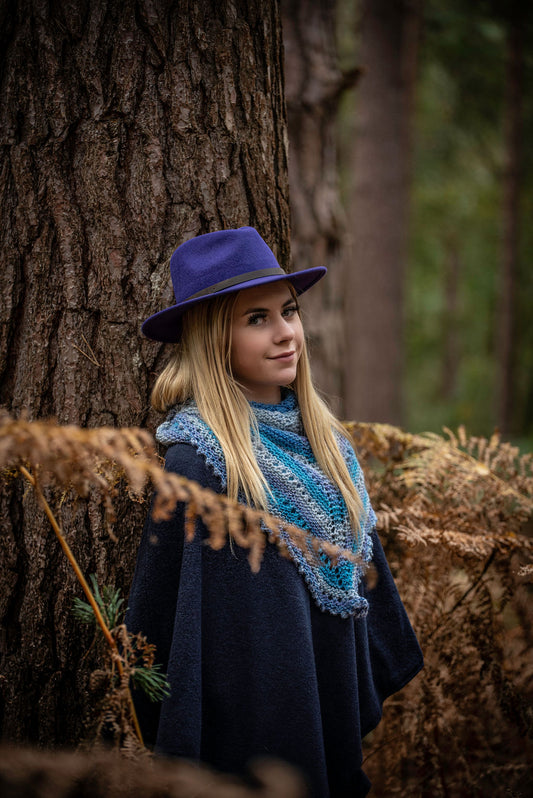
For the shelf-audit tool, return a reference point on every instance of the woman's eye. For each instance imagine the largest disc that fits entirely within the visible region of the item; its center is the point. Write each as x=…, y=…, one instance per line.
x=290, y=311
x=256, y=318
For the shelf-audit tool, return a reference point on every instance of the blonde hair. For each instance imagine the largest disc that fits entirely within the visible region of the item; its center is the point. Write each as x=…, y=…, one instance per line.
x=201, y=370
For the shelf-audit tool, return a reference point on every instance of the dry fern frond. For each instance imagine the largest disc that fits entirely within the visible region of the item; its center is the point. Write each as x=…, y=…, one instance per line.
x=471, y=494
x=383, y=441
x=85, y=460
x=455, y=515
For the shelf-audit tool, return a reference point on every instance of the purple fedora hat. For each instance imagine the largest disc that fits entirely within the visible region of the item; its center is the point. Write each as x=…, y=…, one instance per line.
x=220, y=263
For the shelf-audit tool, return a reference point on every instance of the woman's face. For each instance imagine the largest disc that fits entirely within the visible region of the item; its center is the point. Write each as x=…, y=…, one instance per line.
x=266, y=340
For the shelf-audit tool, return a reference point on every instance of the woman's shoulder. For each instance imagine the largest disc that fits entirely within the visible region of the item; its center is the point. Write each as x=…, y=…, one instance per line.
x=184, y=424
x=186, y=460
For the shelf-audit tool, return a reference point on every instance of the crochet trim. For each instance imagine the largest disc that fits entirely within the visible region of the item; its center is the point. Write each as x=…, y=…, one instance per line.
x=301, y=494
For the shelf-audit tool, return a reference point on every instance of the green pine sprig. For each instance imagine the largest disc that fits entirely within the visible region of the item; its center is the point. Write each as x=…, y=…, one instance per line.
x=109, y=602
x=145, y=675
x=153, y=683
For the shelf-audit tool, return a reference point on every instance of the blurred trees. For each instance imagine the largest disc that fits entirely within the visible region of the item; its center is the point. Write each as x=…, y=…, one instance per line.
x=469, y=339
x=514, y=18
x=379, y=209
x=314, y=85
x=466, y=342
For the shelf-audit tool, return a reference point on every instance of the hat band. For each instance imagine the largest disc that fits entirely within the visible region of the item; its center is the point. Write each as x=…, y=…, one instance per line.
x=240, y=278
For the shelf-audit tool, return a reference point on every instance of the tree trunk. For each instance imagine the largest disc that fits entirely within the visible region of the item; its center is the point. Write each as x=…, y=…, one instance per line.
x=506, y=324
x=126, y=128
x=314, y=85
x=379, y=210
x=450, y=332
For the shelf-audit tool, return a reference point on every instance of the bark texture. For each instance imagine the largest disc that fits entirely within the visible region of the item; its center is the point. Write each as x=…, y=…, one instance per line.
x=314, y=85
x=126, y=127
x=379, y=210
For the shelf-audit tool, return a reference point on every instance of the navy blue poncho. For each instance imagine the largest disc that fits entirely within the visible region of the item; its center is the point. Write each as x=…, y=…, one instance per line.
x=256, y=668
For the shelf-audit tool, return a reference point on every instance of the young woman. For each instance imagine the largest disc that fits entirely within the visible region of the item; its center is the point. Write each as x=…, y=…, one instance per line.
x=295, y=661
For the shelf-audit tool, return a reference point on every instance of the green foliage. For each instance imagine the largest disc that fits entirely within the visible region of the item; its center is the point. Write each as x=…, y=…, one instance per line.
x=109, y=603
x=144, y=674
x=456, y=224
x=525, y=303
x=152, y=682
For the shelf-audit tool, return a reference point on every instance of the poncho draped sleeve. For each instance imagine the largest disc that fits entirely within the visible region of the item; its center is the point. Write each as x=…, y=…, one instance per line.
x=255, y=667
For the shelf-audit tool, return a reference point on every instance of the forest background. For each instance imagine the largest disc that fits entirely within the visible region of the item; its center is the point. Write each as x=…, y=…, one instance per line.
x=467, y=277
x=469, y=289
x=398, y=133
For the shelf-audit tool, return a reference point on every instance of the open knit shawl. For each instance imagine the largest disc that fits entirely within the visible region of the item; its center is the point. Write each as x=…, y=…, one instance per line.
x=301, y=494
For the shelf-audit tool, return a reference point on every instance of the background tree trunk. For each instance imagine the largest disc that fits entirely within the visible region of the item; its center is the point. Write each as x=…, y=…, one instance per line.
x=506, y=322
x=450, y=331
x=126, y=127
x=379, y=210
x=314, y=85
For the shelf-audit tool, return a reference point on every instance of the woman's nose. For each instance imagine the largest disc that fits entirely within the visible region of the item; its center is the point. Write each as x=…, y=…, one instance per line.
x=284, y=330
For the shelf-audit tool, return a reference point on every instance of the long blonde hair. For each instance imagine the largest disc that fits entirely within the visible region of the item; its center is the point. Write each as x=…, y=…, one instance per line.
x=201, y=370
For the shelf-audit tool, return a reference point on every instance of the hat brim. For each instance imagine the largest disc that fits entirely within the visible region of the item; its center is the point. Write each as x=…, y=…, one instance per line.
x=166, y=327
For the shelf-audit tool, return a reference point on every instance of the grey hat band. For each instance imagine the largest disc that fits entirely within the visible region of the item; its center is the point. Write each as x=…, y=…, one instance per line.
x=240, y=278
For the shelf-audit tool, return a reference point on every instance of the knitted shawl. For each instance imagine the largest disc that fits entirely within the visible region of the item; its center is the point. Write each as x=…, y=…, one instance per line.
x=301, y=494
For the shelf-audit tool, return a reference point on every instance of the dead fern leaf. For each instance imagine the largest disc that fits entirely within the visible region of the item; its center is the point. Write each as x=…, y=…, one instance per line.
x=83, y=460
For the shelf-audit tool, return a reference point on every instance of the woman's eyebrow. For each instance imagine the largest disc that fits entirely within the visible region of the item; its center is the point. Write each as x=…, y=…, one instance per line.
x=289, y=301
x=255, y=310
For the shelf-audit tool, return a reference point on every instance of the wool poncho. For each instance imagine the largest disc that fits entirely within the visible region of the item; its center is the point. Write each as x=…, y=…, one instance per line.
x=301, y=494
x=257, y=669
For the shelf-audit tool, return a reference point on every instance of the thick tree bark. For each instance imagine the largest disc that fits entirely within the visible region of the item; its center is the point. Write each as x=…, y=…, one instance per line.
x=506, y=324
x=126, y=127
x=379, y=210
x=314, y=85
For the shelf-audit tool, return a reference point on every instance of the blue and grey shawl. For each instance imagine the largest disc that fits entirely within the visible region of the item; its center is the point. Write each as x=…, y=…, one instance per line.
x=301, y=494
